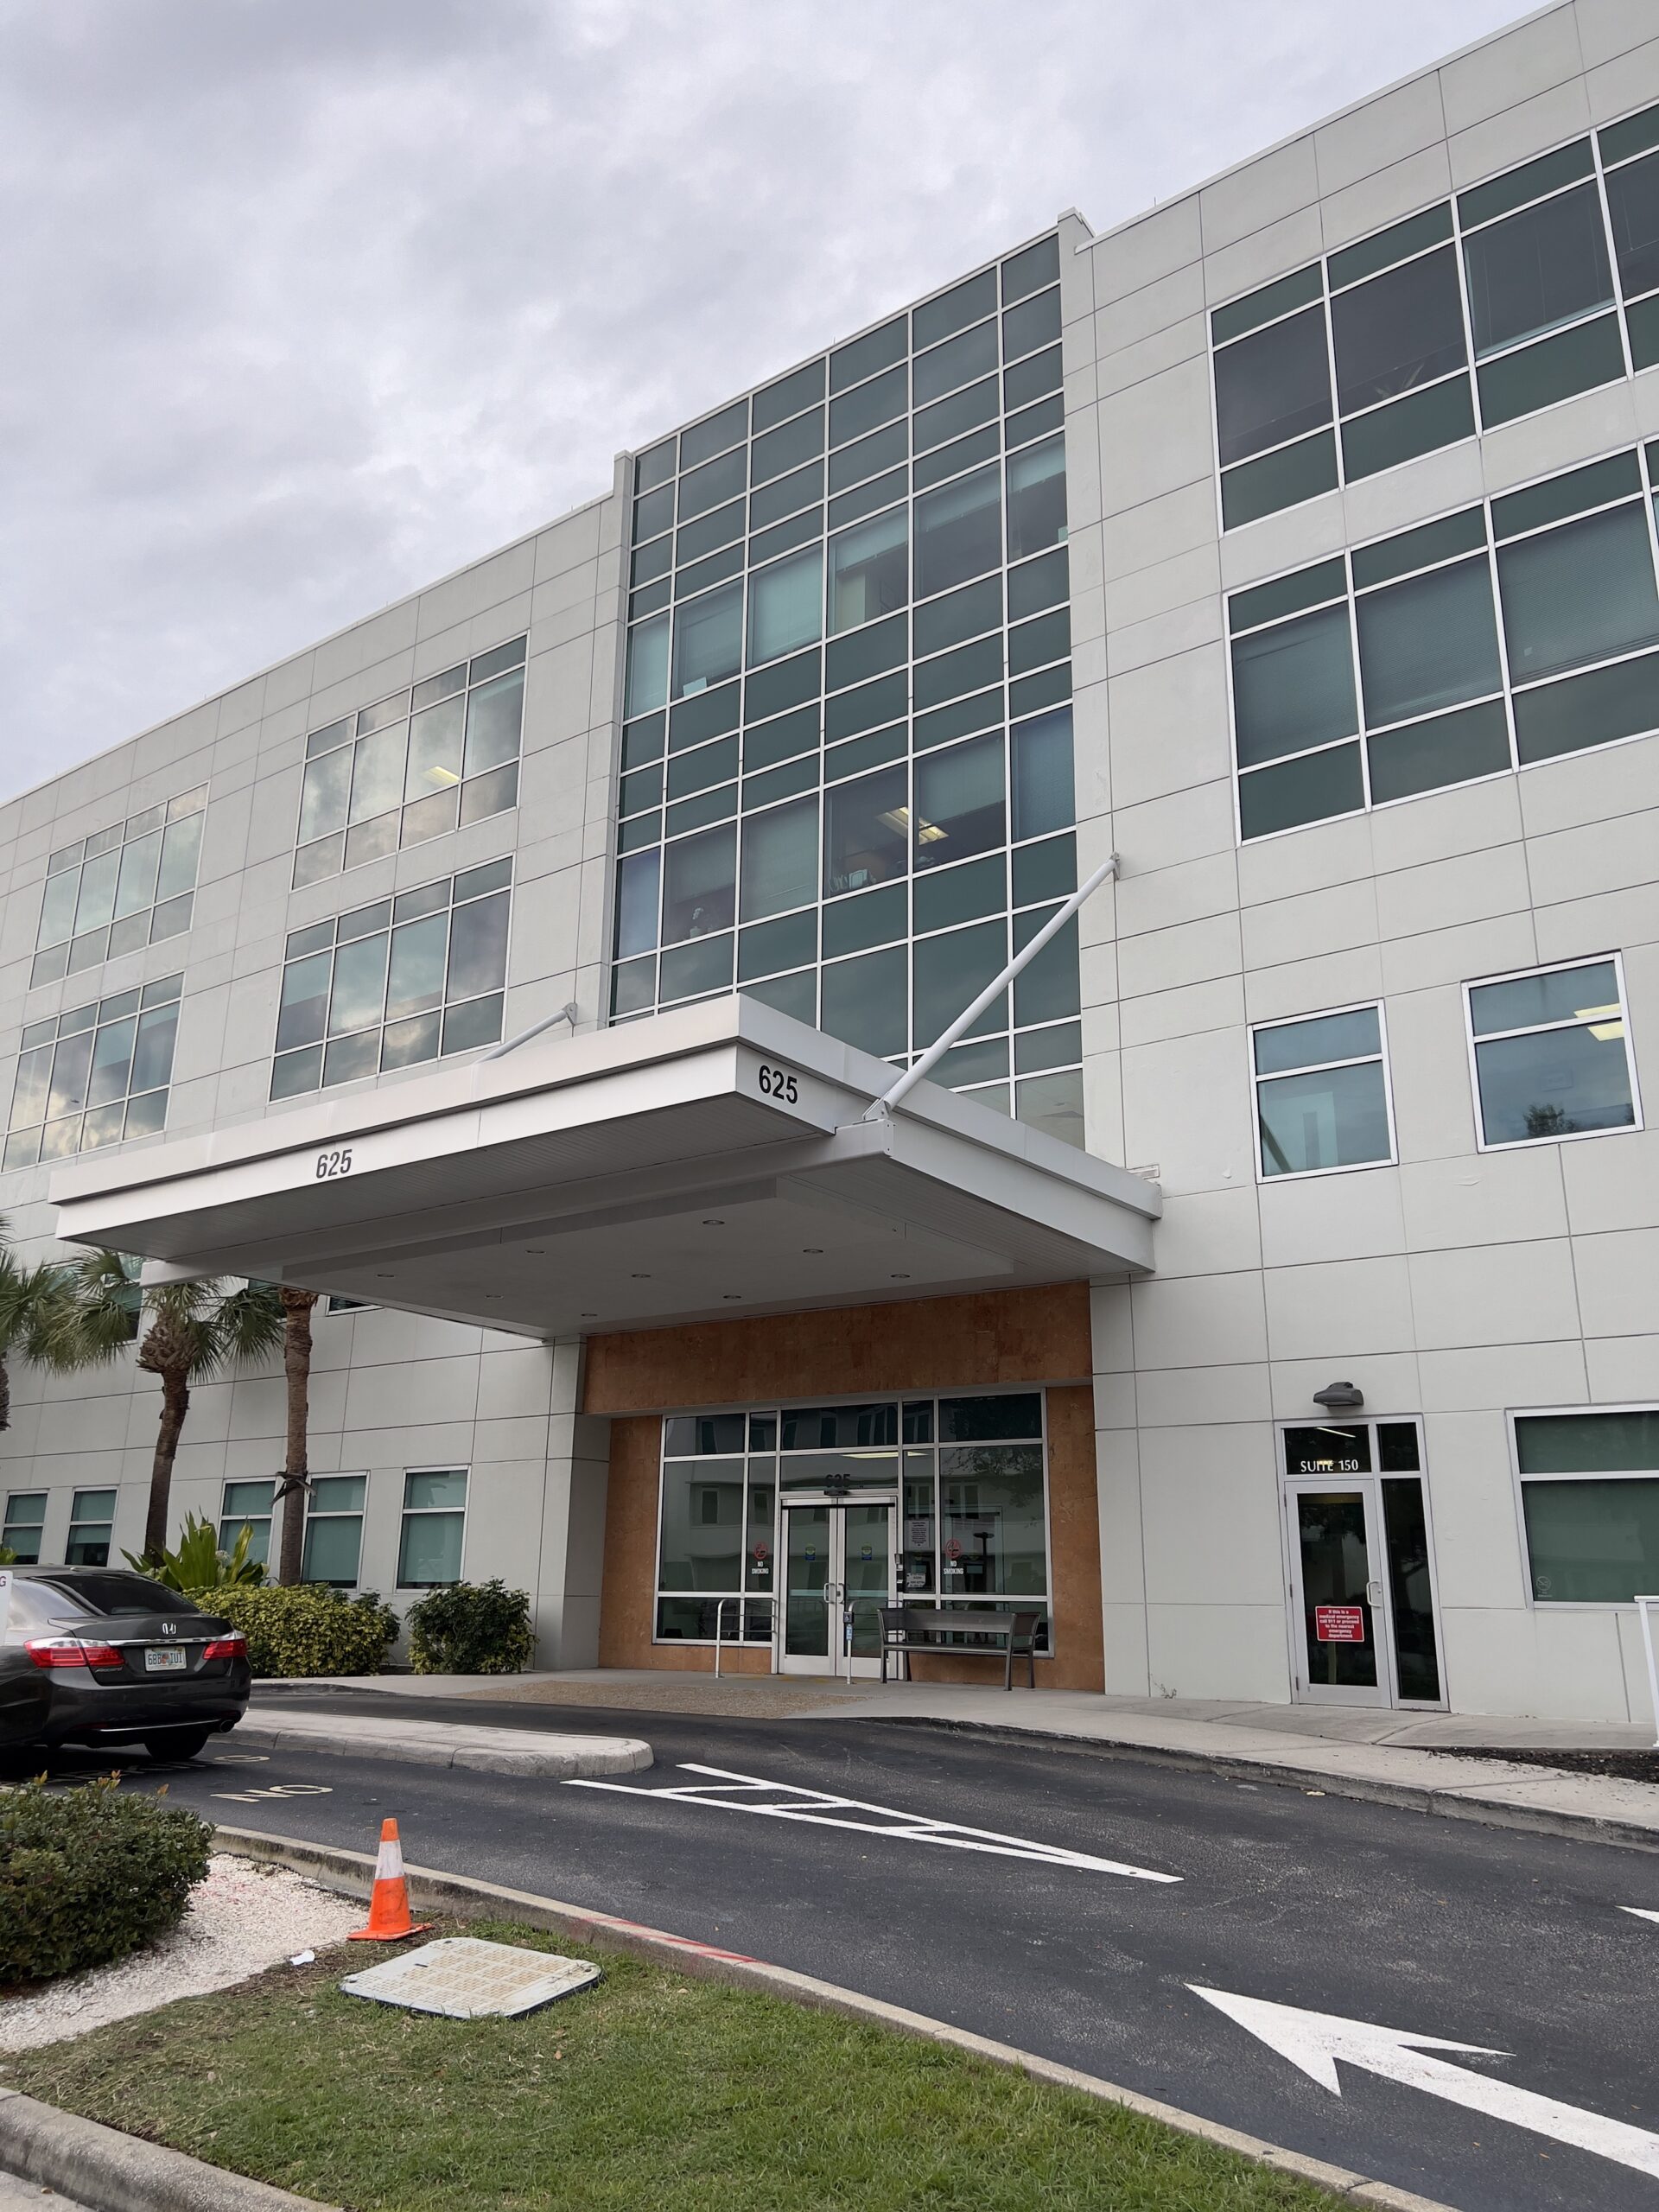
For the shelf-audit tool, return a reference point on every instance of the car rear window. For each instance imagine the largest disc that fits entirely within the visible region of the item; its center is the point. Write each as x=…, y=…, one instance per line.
x=115, y=1594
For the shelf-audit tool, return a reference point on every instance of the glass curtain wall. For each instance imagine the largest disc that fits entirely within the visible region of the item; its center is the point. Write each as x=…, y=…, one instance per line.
x=1490, y=306
x=970, y=1475
x=847, y=784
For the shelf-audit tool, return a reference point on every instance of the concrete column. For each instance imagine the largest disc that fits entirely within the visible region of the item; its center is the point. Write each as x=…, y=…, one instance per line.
x=573, y=1519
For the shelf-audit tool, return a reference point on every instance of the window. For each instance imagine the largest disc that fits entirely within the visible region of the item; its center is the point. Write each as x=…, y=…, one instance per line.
x=1589, y=1504
x=92, y=1524
x=24, y=1523
x=966, y=1476
x=414, y=766
x=129, y=885
x=1487, y=640
x=958, y=532
x=767, y=822
x=1272, y=386
x=435, y=1516
x=1551, y=1055
x=94, y=1075
x=1515, y=275
x=334, y=1529
x=1322, y=1094
x=393, y=984
x=869, y=570
x=248, y=1506
x=785, y=606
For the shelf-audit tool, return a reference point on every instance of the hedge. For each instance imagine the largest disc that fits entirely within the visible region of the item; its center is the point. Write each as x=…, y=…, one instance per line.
x=471, y=1628
x=306, y=1628
x=88, y=1875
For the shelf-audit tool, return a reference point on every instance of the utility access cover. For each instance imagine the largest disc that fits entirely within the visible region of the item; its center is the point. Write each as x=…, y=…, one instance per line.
x=467, y=1980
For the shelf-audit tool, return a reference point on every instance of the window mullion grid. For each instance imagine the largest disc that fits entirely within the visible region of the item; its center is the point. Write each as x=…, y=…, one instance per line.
x=1471, y=366
x=1502, y=628
x=1331, y=379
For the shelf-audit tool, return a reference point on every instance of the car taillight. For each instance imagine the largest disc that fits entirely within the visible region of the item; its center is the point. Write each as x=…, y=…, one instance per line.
x=233, y=1646
x=71, y=1651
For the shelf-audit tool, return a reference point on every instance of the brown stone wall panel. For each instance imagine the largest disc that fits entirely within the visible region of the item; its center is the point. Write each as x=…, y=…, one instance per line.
x=990, y=1339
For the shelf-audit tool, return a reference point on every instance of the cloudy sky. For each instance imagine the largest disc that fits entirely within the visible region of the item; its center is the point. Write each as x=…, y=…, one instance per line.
x=308, y=301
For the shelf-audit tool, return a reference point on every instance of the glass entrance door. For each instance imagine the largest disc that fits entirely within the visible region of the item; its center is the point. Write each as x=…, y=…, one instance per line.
x=838, y=1571
x=1339, y=1598
x=1363, y=1628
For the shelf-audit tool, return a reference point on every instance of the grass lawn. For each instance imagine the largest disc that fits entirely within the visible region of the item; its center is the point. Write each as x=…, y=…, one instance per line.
x=649, y=2090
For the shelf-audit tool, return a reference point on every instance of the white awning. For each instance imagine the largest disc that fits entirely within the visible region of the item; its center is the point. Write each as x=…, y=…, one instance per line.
x=700, y=1164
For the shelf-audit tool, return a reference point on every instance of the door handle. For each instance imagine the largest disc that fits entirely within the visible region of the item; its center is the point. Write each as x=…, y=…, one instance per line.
x=1374, y=1596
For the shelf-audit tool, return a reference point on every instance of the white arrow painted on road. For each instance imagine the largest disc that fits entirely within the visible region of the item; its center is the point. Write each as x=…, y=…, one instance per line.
x=1640, y=1910
x=785, y=1800
x=1315, y=2041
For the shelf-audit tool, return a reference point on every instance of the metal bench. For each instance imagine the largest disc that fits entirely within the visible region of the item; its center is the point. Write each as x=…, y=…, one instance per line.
x=905, y=1628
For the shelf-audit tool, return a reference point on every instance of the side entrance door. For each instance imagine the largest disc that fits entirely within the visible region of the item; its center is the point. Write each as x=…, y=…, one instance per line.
x=838, y=1571
x=1362, y=1624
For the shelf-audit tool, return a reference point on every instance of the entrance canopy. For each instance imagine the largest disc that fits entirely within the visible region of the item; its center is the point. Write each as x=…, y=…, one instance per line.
x=698, y=1164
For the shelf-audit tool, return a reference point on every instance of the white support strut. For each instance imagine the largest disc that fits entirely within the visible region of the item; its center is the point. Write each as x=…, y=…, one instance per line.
x=882, y=1108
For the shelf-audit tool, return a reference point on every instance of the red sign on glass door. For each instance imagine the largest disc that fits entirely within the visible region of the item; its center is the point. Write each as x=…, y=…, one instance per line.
x=1339, y=1624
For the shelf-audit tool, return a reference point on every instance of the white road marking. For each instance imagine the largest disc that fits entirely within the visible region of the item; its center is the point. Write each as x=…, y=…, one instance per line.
x=275, y=1790
x=1315, y=2041
x=742, y=1793
x=1640, y=1910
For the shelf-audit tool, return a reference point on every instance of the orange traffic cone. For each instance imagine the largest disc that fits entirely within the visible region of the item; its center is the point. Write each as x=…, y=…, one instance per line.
x=389, y=1920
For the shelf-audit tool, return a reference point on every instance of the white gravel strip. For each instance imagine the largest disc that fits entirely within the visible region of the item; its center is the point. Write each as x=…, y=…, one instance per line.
x=242, y=1918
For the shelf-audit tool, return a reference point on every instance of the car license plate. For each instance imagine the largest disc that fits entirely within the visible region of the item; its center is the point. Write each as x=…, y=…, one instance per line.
x=167, y=1660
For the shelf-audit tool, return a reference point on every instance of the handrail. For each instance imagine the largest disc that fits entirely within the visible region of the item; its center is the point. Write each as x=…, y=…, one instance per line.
x=750, y=1598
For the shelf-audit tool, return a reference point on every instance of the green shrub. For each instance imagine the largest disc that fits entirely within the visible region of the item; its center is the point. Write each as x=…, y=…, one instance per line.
x=471, y=1628
x=199, y=1564
x=87, y=1876
x=307, y=1629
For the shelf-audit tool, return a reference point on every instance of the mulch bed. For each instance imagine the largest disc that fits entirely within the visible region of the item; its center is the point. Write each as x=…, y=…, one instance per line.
x=1625, y=1766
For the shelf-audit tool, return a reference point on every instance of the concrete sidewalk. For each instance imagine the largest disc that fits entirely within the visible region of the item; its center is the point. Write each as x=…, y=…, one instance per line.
x=1388, y=1756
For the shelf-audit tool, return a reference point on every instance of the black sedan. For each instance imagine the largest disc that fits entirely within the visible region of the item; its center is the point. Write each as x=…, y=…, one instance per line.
x=94, y=1655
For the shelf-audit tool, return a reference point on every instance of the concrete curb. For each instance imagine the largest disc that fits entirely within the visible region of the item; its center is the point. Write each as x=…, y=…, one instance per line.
x=112, y=2172
x=353, y=1872
x=448, y=1744
x=1455, y=1800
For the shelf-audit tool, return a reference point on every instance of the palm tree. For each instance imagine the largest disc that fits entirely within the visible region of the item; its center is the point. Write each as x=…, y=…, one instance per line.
x=186, y=1332
x=31, y=1300
x=295, y=1484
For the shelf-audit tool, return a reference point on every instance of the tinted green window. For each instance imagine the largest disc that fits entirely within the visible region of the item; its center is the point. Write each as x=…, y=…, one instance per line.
x=1035, y=643
x=1266, y=305
x=787, y=449
x=801, y=488
x=951, y=460
x=706, y=714
x=874, y=918
x=1557, y=1083
x=958, y=532
x=1045, y=871
x=1396, y=244
x=1574, y=1444
x=953, y=310
x=1482, y=202
x=867, y=1002
x=1402, y=329
x=1272, y=386
x=780, y=740
x=1428, y=642
x=865, y=831
x=769, y=691
x=1578, y=593
x=1293, y=686
x=880, y=492
x=869, y=570
x=962, y=894
x=1449, y=749
x=968, y=668
x=708, y=531
x=1414, y=548
x=788, y=397
x=960, y=615
x=1030, y=269
x=960, y=802
x=869, y=406
x=1247, y=610
x=700, y=770
x=1537, y=376
x=795, y=996
x=713, y=435
x=1030, y=378
x=960, y=361
x=781, y=858
x=867, y=708
x=784, y=943
x=877, y=349
x=1048, y=989
x=960, y=719
x=1633, y=206
x=1038, y=584
x=1279, y=479
x=705, y=964
x=1297, y=791
x=1633, y=136
x=950, y=972
x=1591, y=1543
x=1036, y=499
x=950, y=418
x=1575, y=492
x=655, y=467
x=1422, y=423
x=794, y=776
x=1593, y=709
x=712, y=485
x=870, y=456
x=784, y=536
x=785, y=606
x=1037, y=322
x=707, y=639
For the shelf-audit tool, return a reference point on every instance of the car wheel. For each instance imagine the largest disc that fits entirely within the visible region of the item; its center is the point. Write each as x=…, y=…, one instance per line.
x=177, y=1743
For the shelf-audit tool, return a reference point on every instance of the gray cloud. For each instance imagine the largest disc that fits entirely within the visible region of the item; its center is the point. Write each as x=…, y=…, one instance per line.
x=308, y=301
